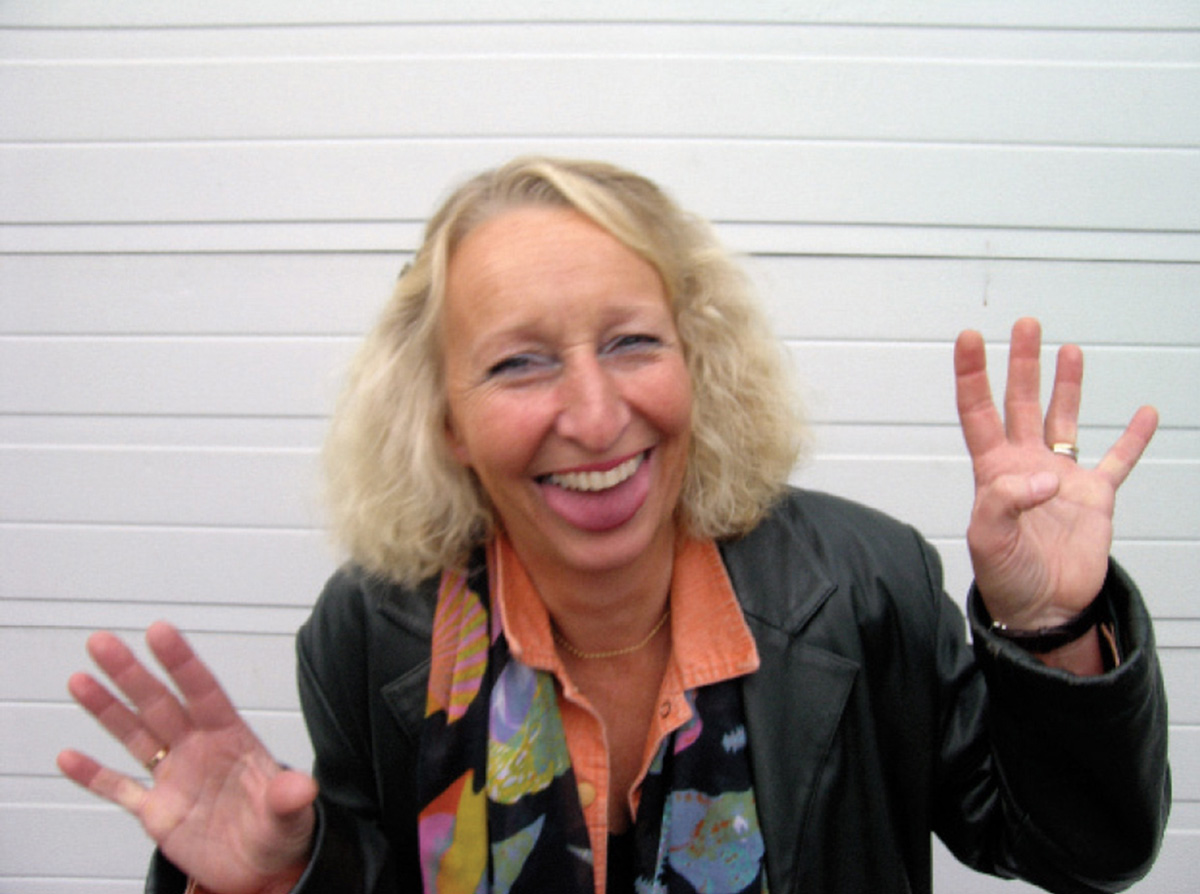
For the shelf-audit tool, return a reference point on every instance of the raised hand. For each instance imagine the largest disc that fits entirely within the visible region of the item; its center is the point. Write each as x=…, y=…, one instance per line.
x=219, y=807
x=1041, y=525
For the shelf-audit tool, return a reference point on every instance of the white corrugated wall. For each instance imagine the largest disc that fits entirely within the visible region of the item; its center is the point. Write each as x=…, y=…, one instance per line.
x=203, y=205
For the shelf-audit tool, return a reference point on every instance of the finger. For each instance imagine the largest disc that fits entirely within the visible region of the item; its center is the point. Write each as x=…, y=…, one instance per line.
x=158, y=709
x=1022, y=394
x=120, y=722
x=1062, y=417
x=208, y=705
x=99, y=780
x=981, y=425
x=1008, y=496
x=1120, y=459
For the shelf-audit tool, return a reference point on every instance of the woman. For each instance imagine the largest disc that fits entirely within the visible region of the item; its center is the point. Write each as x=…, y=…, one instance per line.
x=591, y=641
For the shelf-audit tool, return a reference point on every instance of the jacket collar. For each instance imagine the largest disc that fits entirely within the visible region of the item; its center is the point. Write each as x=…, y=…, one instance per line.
x=787, y=589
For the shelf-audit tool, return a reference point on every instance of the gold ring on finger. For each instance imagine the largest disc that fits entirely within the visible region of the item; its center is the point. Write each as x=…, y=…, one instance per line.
x=157, y=759
x=1065, y=448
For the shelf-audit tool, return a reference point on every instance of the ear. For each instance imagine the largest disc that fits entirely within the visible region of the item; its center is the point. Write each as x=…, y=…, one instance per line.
x=457, y=446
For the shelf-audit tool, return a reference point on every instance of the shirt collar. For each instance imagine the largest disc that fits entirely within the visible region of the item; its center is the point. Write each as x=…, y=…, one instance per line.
x=710, y=640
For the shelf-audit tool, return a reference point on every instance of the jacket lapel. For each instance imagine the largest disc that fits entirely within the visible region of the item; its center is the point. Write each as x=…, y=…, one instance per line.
x=794, y=703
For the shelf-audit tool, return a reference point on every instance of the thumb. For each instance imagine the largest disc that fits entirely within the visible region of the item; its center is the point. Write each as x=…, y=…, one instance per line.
x=1039, y=487
x=1010, y=495
x=290, y=794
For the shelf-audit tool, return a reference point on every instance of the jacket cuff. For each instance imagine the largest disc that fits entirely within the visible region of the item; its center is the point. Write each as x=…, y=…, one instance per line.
x=164, y=876
x=1120, y=608
x=336, y=864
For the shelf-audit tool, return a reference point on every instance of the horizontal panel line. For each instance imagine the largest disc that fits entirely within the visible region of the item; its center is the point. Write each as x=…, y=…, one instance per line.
x=89, y=877
x=1047, y=344
x=818, y=422
x=1187, y=620
x=151, y=528
x=41, y=880
x=874, y=225
x=355, y=337
x=190, y=632
x=352, y=336
x=940, y=426
x=814, y=422
x=399, y=253
x=349, y=337
x=208, y=254
x=156, y=528
x=837, y=240
x=911, y=458
x=484, y=17
x=75, y=523
x=133, y=414
x=939, y=227
x=731, y=53
x=291, y=222
x=865, y=255
x=298, y=223
x=990, y=258
x=597, y=137
x=119, y=603
x=253, y=622
x=68, y=703
x=160, y=448
x=617, y=54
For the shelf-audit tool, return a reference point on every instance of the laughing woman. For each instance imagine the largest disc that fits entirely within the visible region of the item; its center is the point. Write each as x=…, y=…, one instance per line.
x=589, y=639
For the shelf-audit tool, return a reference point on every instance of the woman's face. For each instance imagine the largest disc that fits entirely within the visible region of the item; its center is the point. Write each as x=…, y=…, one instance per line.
x=568, y=392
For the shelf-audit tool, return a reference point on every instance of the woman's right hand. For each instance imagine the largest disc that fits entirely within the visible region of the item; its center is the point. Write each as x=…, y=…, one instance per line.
x=218, y=806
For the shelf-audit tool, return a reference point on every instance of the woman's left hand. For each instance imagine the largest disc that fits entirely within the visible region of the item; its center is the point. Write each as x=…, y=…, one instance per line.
x=1041, y=525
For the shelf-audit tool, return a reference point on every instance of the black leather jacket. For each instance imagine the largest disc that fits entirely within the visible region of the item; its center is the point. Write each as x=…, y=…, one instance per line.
x=871, y=723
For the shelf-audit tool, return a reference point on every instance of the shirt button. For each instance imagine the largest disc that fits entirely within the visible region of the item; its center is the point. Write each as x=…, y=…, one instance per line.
x=587, y=794
x=664, y=710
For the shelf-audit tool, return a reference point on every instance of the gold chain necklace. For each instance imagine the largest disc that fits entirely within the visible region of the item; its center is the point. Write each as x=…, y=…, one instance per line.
x=612, y=653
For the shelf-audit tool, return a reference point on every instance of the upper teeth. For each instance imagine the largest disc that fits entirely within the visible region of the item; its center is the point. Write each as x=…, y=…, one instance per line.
x=593, y=481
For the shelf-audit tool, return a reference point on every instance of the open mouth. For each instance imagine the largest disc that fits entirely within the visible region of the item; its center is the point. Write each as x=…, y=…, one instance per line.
x=594, y=482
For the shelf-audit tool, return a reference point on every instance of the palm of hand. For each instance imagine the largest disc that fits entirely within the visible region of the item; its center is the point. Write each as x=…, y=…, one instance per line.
x=219, y=807
x=1041, y=526
x=1048, y=561
x=207, y=809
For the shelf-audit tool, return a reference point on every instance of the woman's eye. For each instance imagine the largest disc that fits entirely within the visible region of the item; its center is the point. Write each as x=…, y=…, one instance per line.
x=633, y=342
x=514, y=365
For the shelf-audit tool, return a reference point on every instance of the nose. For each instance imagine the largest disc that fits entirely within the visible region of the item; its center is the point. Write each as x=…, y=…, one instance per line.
x=592, y=411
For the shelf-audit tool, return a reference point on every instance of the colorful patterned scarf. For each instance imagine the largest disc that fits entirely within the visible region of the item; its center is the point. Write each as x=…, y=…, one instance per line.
x=500, y=810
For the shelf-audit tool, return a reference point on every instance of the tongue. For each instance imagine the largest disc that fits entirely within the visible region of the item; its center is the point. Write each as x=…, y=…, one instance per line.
x=600, y=510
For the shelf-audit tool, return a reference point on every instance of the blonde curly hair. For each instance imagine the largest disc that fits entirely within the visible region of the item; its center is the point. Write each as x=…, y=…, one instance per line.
x=405, y=509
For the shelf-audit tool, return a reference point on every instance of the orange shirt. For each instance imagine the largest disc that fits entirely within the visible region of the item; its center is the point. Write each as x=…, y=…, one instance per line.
x=710, y=642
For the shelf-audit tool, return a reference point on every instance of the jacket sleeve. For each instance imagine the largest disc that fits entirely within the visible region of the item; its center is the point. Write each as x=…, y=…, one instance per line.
x=352, y=853
x=1078, y=791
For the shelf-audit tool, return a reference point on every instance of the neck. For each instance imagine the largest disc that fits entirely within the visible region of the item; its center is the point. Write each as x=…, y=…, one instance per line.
x=602, y=611
x=614, y=653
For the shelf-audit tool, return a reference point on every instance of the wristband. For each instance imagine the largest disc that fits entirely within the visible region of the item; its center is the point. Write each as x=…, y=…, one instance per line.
x=1047, y=639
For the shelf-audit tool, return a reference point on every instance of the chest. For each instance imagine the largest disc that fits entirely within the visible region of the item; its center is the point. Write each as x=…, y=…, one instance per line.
x=626, y=702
